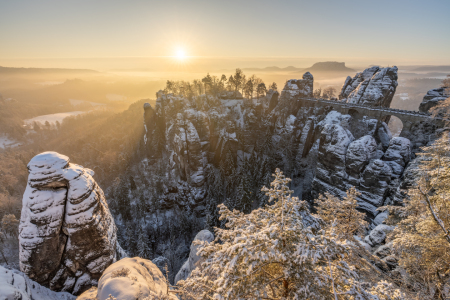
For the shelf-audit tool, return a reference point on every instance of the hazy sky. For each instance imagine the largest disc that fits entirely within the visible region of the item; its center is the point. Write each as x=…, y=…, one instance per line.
x=393, y=31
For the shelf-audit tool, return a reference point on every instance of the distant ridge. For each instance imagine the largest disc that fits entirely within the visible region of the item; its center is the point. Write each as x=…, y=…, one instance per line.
x=10, y=71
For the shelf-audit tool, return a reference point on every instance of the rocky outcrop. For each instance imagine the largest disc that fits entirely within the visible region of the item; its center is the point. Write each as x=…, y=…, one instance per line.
x=272, y=99
x=433, y=98
x=130, y=279
x=374, y=86
x=299, y=87
x=371, y=163
x=193, y=260
x=67, y=235
x=187, y=154
x=14, y=285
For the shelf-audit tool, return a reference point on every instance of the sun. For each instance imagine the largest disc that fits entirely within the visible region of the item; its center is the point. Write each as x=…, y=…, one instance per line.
x=181, y=54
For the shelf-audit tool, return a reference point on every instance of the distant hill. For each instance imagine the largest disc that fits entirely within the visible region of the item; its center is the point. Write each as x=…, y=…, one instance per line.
x=26, y=71
x=328, y=66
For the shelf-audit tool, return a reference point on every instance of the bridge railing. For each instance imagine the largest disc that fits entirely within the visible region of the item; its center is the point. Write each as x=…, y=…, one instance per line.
x=377, y=108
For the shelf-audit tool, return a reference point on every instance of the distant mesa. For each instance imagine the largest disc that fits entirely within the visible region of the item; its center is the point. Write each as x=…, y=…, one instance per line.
x=329, y=66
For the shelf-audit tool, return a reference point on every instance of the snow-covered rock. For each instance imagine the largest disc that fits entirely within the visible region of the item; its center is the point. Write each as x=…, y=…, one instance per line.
x=374, y=86
x=378, y=235
x=359, y=153
x=343, y=162
x=399, y=151
x=193, y=260
x=15, y=285
x=67, y=235
x=130, y=279
x=187, y=149
x=299, y=87
x=433, y=98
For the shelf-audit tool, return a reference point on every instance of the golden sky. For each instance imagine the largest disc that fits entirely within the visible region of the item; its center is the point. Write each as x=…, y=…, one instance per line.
x=109, y=34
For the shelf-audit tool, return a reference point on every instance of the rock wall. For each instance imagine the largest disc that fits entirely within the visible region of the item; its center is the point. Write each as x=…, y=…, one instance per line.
x=374, y=86
x=67, y=235
x=193, y=260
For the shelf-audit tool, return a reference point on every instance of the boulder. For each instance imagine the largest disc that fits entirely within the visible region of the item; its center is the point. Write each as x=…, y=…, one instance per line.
x=193, y=260
x=433, y=98
x=67, y=234
x=378, y=235
x=359, y=153
x=383, y=250
x=130, y=279
x=383, y=135
x=374, y=182
x=399, y=151
x=14, y=285
x=374, y=86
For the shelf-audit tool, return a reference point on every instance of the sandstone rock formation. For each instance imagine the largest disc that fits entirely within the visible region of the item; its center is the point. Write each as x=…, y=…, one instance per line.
x=130, y=279
x=433, y=98
x=374, y=86
x=16, y=286
x=369, y=165
x=299, y=87
x=67, y=235
x=193, y=260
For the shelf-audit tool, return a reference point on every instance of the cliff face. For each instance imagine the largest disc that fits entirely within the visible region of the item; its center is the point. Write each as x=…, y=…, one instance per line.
x=322, y=149
x=67, y=235
x=374, y=86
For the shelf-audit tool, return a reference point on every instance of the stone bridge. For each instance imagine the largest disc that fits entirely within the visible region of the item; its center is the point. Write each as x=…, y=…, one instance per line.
x=409, y=118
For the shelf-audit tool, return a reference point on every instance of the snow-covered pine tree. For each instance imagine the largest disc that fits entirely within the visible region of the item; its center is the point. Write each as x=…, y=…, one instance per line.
x=143, y=249
x=421, y=237
x=276, y=252
x=342, y=215
x=131, y=239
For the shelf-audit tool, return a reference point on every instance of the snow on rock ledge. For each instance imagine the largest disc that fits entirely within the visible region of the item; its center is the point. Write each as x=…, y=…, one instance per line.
x=192, y=261
x=67, y=235
x=15, y=285
x=130, y=279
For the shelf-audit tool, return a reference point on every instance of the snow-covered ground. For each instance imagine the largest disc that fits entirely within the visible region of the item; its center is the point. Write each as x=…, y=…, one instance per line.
x=6, y=142
x=52, y=118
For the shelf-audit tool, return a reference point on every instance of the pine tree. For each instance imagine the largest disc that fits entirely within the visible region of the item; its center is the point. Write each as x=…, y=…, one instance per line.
x=341, y=214
x=143, y=249
x=421, y=237
x=131, y=239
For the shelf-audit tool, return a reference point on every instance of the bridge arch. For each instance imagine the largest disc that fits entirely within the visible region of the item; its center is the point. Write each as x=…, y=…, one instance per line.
x=395, y=125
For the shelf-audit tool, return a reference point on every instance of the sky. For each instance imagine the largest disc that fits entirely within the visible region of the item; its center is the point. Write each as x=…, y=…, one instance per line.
x=253, y=32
